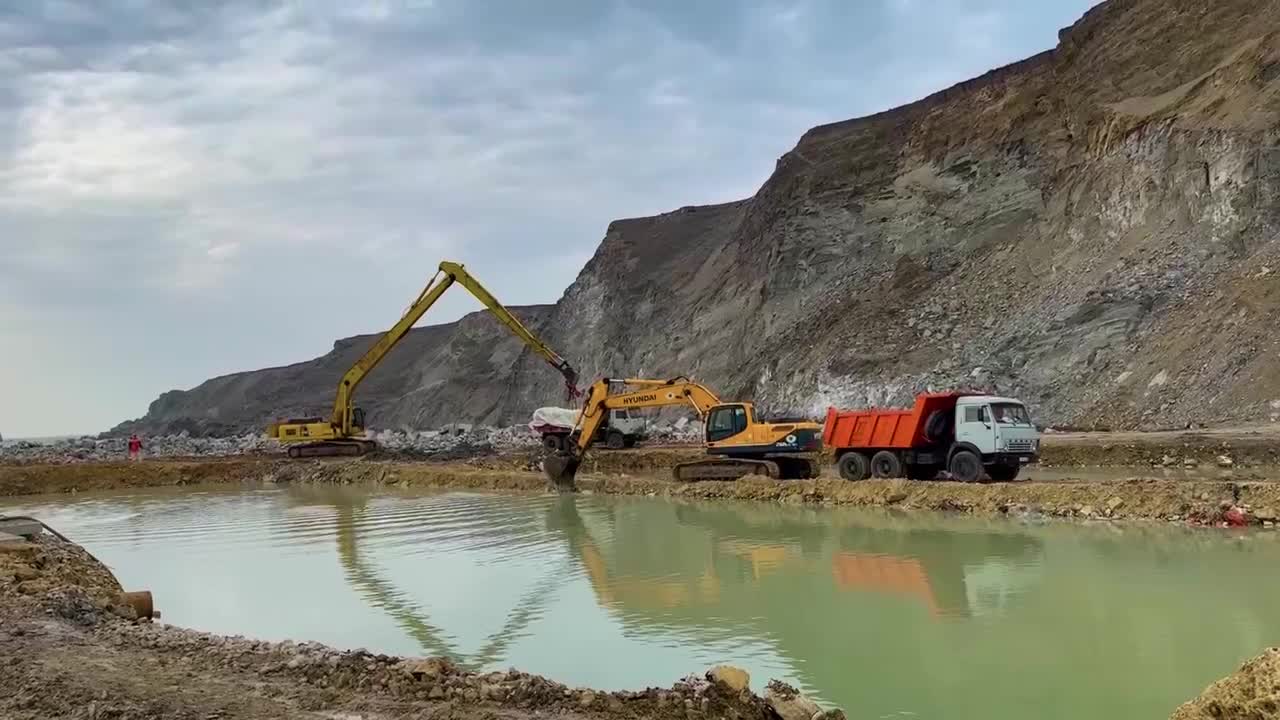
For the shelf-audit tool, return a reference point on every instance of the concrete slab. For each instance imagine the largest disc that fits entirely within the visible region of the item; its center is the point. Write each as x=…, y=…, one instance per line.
x=23, y=528
x=7, y=538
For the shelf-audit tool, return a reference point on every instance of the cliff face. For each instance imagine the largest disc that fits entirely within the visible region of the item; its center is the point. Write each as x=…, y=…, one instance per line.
x=437, y=374
x=1093, y=229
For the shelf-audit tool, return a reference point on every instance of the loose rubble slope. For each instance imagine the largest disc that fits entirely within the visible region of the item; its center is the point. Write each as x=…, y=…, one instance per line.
x=1251, y=693
x=1093, y=229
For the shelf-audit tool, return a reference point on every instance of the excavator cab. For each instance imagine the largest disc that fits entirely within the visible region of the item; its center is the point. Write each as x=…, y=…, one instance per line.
x=726, y=421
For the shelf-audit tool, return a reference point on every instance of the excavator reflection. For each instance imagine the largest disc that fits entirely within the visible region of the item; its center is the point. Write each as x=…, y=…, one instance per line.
x=823, y=589
x=351, y=511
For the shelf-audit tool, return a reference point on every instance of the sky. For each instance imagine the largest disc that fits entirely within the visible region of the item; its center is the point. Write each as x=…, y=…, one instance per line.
x=192, y=189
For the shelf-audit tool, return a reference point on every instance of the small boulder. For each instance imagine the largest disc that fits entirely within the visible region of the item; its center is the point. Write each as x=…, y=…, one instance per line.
x=1266, y=515
x=429, y=668
x=734, y=678
x=1114, y=504
x=1225, y=461
x=586, y=699
x=788, y=703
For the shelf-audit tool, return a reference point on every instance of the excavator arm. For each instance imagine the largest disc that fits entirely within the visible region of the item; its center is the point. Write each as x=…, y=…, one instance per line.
x=561, y=468
x=652, y=394
x=446, y=276
x=346, y=422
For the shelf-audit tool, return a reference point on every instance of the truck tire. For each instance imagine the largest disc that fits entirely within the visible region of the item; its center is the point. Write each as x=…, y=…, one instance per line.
x=615, y=440
x=885, y=464
x=853, y=466
x=553, y=443
x=965, y=467
x=1003, y=473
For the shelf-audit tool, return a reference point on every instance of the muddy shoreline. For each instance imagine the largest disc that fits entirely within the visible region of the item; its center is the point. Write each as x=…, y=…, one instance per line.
x=1140, y=496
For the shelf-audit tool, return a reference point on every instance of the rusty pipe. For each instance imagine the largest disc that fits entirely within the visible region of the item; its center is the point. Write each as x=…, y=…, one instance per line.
x=141, y=603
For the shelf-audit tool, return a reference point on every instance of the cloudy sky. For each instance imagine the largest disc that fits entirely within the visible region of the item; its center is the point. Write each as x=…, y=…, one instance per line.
x=186, y=193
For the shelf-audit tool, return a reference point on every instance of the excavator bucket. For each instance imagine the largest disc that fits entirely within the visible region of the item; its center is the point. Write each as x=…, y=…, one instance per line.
x=561, y=469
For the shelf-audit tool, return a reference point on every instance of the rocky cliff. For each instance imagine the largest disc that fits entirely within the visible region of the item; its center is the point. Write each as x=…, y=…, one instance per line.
x=437, y=374
x=1093, y=229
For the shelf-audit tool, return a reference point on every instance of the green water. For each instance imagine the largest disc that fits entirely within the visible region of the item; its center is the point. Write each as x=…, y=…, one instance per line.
x=885, y=615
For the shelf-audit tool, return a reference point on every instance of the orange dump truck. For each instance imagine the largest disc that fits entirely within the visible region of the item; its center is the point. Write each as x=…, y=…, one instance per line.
x=971, y=436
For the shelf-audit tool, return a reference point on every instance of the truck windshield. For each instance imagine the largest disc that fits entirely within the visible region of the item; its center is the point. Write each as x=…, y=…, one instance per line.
x=1010, y=414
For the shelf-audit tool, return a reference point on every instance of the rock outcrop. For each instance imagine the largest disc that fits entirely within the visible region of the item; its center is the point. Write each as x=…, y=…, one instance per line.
x=1093, y=229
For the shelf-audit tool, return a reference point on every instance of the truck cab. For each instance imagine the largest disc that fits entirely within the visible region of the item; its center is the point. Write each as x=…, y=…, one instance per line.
x=997, y=429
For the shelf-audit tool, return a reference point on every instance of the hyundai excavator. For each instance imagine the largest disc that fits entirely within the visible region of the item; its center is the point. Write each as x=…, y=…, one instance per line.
x=342, y=433
x=738, y=442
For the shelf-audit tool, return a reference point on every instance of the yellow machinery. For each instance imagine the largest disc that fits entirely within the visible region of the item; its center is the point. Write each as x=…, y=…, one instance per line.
x=341, y=433
x=739, y=442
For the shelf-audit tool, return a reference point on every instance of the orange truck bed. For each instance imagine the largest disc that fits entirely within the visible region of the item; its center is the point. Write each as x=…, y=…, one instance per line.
x=884, y=428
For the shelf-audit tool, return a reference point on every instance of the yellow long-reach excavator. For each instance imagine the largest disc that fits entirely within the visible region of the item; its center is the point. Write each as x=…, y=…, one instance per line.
x=342, y=433
x=738, y=442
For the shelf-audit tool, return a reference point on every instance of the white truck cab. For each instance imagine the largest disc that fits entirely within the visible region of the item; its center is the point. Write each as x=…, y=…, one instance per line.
x=999, y=429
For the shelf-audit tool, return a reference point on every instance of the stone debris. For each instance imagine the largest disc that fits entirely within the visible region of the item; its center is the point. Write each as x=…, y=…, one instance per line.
x=451, y=440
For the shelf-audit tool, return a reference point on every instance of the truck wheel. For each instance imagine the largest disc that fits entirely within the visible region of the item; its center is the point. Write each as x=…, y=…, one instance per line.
x=615, y=441
x=552, y=443
x=853, y=466
x=965, y=466
x=1003, y=473
x=885, y=464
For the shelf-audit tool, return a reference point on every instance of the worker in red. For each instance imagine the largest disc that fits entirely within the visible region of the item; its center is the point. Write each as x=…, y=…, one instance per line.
x=135, y=447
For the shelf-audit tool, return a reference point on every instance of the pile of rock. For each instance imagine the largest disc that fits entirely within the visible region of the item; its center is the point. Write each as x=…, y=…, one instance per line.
x=90, y=449
x=461, y=439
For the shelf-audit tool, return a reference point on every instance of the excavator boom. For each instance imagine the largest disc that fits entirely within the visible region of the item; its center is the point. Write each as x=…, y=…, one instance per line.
x=339, y=435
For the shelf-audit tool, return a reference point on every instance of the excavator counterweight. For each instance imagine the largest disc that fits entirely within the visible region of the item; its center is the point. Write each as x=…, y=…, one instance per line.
x=342, y=432
x=738, y=442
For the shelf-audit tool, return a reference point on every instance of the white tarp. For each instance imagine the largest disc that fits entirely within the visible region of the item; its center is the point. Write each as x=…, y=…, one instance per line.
x=553, y=417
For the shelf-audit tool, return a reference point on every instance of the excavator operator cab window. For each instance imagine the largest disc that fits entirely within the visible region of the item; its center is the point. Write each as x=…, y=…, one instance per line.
x=725, y=422
x=357, y=417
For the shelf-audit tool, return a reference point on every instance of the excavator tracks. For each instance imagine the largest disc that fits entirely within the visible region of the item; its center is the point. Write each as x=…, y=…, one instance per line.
x=776, y=468
x=332, y=448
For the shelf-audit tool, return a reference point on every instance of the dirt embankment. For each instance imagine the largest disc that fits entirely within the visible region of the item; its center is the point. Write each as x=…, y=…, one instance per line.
x=1250, y=693
x=68, y=650
x=1197, y=501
